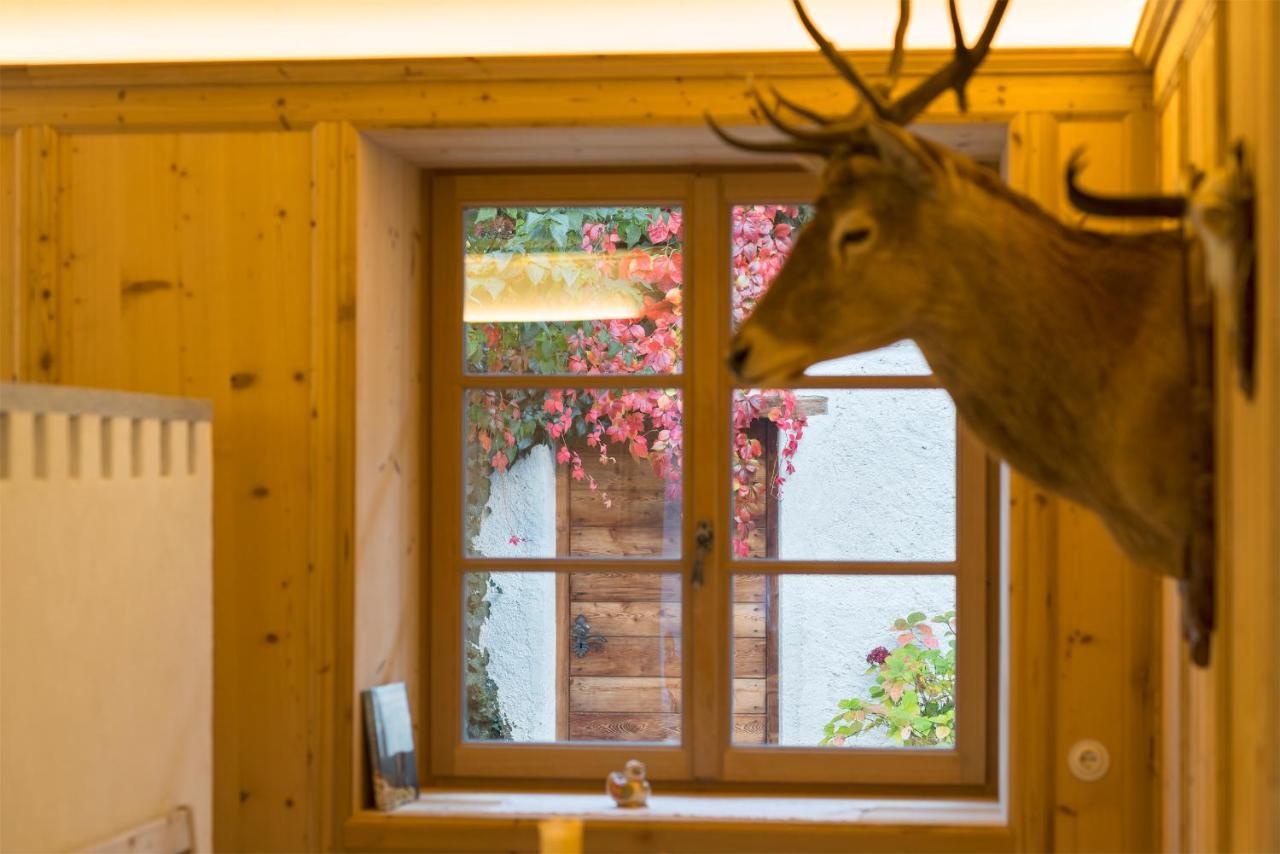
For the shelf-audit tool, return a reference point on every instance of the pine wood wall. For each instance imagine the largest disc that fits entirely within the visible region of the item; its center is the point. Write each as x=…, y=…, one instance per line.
x=1217, y=80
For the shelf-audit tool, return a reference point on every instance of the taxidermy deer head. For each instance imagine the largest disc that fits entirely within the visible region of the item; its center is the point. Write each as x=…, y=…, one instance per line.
x=1065, y=350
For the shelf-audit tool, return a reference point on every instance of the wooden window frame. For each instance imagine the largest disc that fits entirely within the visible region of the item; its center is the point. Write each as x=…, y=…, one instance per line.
x=705, y=758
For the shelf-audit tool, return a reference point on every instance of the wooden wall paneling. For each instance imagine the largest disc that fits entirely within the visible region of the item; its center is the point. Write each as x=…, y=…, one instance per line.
x=1173, y=700
x=206, y=238
x=1249, y=110
x=10, y=326
x=1199, y=88
x=246, y=241
x=1218, y=80
x=1107, y=684
x=123, y=326
x=1032, y=571
x=576, y=91
x=1066, y=570
x=37, y=244
x=336, y=285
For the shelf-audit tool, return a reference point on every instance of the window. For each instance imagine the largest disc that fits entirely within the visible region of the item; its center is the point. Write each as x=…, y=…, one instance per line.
x=586, y=438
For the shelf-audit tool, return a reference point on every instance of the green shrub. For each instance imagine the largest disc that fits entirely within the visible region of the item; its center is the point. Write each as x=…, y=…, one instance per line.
x=914, y=698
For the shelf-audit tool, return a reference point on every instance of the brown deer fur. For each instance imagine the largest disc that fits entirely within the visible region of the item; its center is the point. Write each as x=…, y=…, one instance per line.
x=1064, y=350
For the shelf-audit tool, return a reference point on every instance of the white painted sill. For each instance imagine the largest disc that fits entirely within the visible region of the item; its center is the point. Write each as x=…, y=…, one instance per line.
x=768, y=810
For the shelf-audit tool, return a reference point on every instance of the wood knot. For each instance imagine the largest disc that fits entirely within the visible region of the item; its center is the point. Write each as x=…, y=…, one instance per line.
x=144, y=286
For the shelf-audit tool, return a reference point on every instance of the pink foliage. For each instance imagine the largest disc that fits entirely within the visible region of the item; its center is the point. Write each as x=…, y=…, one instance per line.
x=647, y=422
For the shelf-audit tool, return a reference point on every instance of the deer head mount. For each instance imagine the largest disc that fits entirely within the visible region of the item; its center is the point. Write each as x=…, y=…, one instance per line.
x=1067, y=351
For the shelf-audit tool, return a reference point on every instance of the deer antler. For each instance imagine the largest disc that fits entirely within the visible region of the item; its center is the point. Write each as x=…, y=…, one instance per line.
x=1172, y=207
x=831, y=132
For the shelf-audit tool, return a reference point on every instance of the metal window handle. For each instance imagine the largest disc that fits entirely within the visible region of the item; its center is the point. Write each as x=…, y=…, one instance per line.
x=701, y=548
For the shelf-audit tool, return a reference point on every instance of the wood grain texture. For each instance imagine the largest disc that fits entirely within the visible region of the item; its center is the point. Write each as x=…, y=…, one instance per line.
x=38, y=243
x=748, y=589
x=623, y=656
x=629, y=619
x=625, y=541
x=223, y=220
x=332, y=391
x=11, y=328
x=626, y=726
x=629, y=726
x=748, y=696
x=749, y=620
x=511, y=93
x=1217, y=80
x=1074, y=580
x=623, y=694
x=624, y=587
x=749, y=657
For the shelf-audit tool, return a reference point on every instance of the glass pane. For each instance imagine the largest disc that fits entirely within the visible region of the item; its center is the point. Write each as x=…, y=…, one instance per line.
x=844, y=660
x=573, y=290
x=574, y=656
x=844, y=474
x=761, y=240
x=573, y=473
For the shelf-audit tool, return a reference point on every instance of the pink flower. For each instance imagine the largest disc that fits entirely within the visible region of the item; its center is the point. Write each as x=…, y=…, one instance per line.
x=515, y=541
x=659, y=230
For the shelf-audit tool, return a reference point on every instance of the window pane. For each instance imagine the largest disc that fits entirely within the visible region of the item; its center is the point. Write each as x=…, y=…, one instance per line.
x=580, y=656
x=762, y=238
x=573, y=290
x=844, y=661
x=850, y=475
x=573, y=473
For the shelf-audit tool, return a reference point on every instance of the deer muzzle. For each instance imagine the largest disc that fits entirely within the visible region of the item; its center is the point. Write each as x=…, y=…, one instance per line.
x=756, y=356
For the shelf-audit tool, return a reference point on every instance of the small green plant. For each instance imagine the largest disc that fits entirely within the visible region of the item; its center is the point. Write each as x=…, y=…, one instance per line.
x=914, y=698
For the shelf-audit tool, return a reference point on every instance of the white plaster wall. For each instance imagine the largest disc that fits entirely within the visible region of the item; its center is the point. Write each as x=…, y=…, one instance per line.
x=902, y=358
x=520, y=633
x=826, y=626
x=106, y=620
x=875, y=480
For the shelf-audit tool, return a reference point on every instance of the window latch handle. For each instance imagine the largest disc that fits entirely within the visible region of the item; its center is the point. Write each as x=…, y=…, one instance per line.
x=701, y=548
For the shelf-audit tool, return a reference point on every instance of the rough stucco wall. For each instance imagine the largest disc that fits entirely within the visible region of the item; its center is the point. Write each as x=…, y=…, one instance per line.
x=875, y=480
x=902, y=358
x=826, y=627
x=520, y=633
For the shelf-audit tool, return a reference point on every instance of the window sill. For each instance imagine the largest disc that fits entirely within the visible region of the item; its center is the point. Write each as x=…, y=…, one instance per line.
x=481, y=821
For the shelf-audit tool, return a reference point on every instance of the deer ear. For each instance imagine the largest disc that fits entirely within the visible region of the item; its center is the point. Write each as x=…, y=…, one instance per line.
x=900, y=150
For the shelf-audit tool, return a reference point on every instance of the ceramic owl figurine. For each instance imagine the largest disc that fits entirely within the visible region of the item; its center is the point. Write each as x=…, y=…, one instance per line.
x=628, y=788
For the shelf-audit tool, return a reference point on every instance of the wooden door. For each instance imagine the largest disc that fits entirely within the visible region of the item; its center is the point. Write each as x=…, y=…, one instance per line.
x=620, y=633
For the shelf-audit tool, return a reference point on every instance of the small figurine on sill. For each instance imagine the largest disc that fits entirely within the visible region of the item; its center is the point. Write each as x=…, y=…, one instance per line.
x=628, y=788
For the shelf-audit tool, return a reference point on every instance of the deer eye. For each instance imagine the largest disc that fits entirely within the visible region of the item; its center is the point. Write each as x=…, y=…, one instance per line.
x=854, y=237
